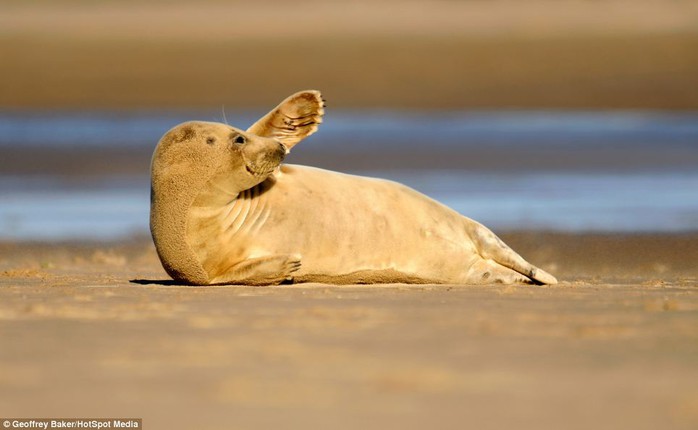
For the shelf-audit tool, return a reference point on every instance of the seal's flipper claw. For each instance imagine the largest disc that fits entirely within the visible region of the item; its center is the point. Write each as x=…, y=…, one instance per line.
x=293, y=119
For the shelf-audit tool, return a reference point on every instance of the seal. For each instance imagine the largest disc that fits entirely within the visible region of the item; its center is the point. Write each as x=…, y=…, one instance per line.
x=224, y=210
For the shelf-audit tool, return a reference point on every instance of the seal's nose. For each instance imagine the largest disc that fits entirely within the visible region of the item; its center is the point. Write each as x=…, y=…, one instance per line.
x=284, y=149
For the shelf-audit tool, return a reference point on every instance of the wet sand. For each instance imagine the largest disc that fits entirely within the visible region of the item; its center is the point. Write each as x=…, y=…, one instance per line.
x=93, y=329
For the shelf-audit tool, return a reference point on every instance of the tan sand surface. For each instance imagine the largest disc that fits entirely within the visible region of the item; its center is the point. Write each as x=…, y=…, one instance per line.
x=89, y=329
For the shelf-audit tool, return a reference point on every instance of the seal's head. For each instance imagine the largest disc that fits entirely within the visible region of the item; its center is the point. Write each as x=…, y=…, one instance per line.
x=199, y=153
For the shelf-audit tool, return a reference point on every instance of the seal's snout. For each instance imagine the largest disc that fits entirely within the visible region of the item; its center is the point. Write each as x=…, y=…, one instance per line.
x=278, y=150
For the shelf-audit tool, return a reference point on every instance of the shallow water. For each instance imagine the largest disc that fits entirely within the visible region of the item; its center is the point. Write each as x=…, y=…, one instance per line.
x=622, y=171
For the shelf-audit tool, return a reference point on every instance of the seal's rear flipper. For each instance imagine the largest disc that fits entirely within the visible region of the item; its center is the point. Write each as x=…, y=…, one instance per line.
x=492, y=247
x=293, y=120
x=541, y=276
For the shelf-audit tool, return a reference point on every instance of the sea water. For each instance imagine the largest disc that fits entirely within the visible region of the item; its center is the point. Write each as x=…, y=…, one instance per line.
x=655, y=193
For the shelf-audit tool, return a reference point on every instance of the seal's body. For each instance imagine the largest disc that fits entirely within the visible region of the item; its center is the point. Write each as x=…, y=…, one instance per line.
x=225, y=211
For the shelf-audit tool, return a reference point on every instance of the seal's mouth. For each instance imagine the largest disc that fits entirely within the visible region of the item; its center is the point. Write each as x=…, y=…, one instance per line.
x=257, y=171
x=264, y=164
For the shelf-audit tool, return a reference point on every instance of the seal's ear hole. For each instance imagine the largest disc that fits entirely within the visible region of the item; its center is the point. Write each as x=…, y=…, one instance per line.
x=210, y=140
x=240, y=139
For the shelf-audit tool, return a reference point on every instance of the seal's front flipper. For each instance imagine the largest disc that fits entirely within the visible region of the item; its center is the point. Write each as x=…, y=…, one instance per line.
x=293, y=120
x=270, y=270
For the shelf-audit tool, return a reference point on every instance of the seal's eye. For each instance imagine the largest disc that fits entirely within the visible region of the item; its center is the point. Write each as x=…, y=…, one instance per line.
x=211, y=140
x=240, y=139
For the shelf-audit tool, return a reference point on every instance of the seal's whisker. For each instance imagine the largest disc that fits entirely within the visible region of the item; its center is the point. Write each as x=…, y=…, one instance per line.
x=225, y=120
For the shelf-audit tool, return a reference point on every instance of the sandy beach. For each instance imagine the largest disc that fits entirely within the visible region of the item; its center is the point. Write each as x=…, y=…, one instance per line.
x=98, y=330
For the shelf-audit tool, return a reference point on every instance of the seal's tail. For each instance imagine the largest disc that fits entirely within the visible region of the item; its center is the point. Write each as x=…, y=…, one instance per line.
x=492, y=247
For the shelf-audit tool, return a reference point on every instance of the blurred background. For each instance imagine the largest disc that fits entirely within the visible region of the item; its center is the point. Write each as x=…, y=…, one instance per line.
x=525, y=115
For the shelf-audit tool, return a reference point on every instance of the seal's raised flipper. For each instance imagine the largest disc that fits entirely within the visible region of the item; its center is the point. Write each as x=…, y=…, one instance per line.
x=269, y=270
x=293, y=120
x=492, y=247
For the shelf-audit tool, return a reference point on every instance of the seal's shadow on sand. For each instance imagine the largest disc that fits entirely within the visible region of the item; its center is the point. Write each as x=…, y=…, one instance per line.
x=171, y=282
x=168, y=282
